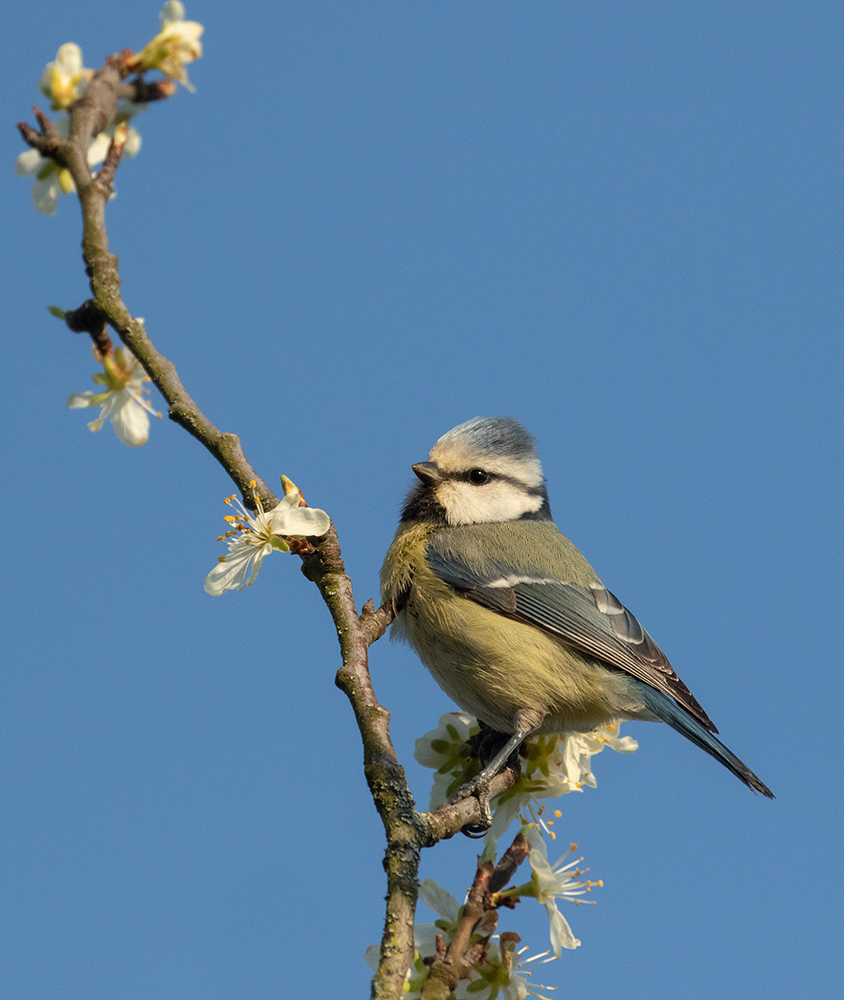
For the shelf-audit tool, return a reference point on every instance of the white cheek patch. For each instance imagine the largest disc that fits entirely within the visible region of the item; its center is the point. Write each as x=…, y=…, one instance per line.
x=524, y=470
x=496, y=501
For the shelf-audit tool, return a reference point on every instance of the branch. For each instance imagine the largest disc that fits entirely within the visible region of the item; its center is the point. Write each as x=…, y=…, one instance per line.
x=479, y=916
x=323, y=564
x=384, y=774
x=407, y=831
x=450, y=819
x=138, y=91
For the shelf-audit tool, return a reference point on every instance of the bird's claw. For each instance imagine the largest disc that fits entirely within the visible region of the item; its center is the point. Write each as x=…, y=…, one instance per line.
x=478, y=788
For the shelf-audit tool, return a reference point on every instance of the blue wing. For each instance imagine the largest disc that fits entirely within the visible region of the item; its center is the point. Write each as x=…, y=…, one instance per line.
x=592, y=620
x=595, y=622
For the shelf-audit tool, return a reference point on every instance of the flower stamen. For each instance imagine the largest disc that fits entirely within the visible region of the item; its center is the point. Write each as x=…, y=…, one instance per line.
x=255, y=534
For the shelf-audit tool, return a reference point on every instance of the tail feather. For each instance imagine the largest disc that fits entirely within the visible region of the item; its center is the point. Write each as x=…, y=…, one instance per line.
x=687, y=725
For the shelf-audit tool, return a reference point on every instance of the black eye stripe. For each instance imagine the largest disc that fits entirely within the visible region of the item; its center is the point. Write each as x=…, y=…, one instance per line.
x=465, y=476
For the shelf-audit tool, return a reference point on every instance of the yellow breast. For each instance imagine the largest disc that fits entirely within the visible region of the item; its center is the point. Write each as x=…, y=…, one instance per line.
x=491, y=665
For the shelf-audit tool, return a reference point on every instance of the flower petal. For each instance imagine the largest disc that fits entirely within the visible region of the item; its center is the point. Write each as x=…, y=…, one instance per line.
x=372, y=956
x=439, y=900
x=173, y=10
x=78, y=400
x=45, y=195
x=289, y=520
x=98, y=149
x=131, y=424
x=257, y=561
x=133, y=142
x=229, y=574
x=425, y=938
x=561, y=933
x=29, y=163
x=69, y=58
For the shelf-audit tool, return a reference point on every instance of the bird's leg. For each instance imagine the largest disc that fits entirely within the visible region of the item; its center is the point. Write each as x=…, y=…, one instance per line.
x=479, y=785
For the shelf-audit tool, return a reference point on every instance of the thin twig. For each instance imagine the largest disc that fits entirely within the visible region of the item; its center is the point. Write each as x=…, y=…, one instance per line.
x=478, y=917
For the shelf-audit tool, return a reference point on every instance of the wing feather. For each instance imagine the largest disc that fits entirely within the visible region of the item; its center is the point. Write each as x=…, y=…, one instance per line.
x=591, y=620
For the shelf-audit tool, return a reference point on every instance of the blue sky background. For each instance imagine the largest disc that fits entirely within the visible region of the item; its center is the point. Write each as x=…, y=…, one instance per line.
x=620, y=222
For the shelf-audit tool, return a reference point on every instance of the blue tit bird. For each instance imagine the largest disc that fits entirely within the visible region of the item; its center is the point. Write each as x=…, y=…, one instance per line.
x=508, y=616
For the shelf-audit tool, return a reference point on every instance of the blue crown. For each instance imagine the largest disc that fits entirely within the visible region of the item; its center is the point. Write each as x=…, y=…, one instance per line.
x=494, y=436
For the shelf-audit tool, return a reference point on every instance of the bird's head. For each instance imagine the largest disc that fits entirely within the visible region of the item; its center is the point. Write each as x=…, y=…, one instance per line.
x=483, y=471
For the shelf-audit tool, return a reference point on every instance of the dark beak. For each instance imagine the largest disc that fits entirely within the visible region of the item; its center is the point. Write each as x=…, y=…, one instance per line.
x=428, y=473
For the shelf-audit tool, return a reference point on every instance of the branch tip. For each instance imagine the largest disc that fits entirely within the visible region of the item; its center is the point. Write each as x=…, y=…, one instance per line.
x=105, y=177
x=44, y=122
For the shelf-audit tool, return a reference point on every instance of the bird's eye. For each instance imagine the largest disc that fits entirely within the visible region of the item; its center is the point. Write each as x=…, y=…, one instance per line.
x=478, y=477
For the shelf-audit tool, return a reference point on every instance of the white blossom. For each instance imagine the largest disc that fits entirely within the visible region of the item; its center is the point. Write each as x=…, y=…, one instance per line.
x=551, y=766
x=555, y=881
x=440, y=901
x=580, y=748
x=122, y=401
x=554, y=766
x=425, y=942
x=506, y=976
x=51, y=180
x=254, y=535
x=64, y=80
x=495, y=975
x=444, y=749
x=521, y=985
x=175, y=45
